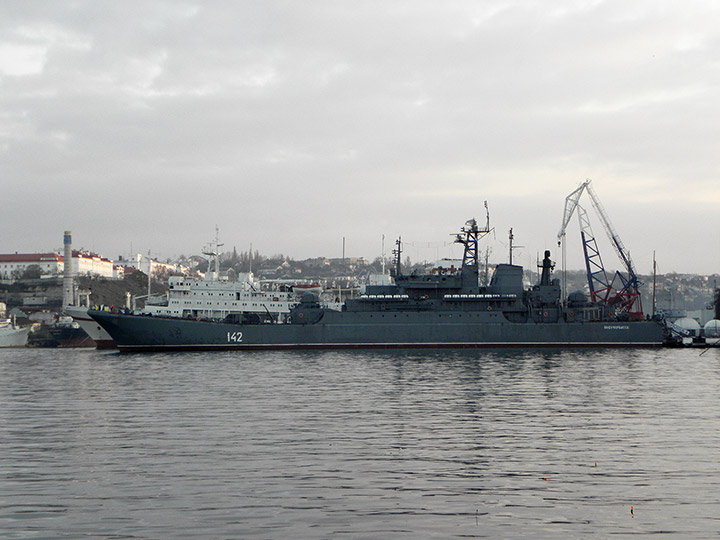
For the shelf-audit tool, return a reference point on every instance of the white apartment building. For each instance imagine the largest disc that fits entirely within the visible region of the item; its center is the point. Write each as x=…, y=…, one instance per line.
x=85, y=263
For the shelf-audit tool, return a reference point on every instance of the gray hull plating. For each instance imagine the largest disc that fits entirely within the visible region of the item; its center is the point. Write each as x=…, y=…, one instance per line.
x=373, y=330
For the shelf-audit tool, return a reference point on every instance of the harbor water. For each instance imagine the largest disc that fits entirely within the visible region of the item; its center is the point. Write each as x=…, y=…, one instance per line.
x=359, y=445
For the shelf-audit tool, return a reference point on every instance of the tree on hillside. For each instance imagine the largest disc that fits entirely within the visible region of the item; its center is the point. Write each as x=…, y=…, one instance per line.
x=32, y=272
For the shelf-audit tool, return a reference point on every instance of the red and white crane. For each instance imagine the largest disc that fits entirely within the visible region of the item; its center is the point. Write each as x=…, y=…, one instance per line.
x=621, y=294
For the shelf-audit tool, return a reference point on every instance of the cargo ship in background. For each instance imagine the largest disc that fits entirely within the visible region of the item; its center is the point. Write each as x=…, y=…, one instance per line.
x=446, y=308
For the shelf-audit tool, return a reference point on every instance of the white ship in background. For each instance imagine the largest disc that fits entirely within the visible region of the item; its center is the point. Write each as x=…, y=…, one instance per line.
x=217, y=297
x=12, y=335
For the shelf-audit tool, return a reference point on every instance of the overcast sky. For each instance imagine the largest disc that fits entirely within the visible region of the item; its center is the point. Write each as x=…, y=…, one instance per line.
x=291, y=125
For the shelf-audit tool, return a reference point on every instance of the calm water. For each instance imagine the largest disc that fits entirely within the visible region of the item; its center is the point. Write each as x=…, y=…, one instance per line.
x=359, y=445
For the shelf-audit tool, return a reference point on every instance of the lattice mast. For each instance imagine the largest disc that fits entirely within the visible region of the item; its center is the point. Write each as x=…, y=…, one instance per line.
x=598, y=282
x=469, y=237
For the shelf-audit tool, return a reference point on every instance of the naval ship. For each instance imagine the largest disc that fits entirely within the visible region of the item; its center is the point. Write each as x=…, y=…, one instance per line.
x=446, y=308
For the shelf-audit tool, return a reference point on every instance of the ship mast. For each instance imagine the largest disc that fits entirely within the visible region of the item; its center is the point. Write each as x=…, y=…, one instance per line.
x=469, y=236
x=511, y=237
x=397, y=253
x=213, y=252
x=382, y=254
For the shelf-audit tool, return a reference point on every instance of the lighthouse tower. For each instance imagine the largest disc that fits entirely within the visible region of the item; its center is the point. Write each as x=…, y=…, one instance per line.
x=68, y=273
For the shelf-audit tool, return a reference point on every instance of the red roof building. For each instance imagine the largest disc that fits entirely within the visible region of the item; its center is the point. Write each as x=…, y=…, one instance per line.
x=13, y=265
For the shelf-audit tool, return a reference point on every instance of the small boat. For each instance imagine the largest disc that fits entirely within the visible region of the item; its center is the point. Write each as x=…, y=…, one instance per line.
x=301, y=288
x=12, y=335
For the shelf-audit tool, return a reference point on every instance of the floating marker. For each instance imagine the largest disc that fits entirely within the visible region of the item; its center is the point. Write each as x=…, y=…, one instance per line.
x=632, y=513
x=596, y=464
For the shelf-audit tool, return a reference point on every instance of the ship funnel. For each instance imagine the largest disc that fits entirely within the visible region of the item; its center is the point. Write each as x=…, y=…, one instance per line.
x=67, y=273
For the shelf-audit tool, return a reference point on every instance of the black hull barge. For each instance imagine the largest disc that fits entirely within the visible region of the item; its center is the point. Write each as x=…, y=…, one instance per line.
x=444, y=309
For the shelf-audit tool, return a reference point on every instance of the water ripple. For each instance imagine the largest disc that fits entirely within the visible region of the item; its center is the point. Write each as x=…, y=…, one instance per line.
x=470, y=444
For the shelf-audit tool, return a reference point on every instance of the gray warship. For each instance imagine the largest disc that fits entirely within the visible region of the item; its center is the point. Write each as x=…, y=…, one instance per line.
x=447, y=308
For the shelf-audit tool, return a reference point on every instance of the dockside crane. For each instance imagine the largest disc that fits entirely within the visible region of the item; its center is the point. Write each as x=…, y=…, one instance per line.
x=621, y=294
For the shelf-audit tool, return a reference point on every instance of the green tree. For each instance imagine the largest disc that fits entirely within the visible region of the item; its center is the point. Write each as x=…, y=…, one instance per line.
x=32, y=272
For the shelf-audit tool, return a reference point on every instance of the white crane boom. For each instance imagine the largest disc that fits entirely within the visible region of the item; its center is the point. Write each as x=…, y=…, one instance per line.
x=571, y=203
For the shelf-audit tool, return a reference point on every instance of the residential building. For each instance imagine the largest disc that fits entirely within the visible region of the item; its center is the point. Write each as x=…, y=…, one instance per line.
x=14, y=265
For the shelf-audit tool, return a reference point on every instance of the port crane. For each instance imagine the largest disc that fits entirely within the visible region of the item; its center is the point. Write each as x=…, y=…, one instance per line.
x=621, y=293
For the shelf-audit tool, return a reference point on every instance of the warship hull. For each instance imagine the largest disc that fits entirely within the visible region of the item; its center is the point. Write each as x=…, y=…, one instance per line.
x=446, y=308
x=342, y=330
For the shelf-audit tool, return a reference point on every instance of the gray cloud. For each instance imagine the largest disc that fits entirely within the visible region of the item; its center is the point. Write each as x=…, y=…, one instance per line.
x=291, y=125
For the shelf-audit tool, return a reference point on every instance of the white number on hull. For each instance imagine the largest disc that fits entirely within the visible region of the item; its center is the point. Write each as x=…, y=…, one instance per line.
x=234, y=337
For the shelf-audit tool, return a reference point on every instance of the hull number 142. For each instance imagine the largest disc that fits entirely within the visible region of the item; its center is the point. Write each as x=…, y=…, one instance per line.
x=234, y=337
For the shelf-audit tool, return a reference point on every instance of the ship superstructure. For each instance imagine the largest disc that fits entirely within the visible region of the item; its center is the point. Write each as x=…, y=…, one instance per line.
x=217, y=298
